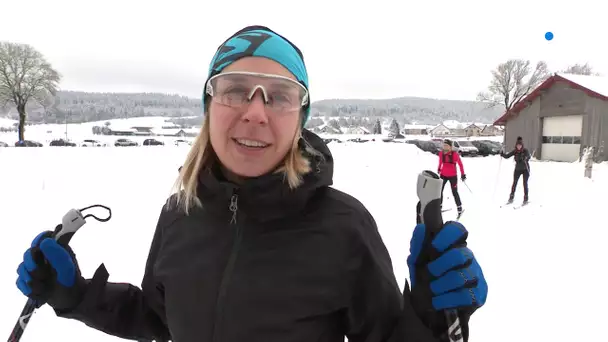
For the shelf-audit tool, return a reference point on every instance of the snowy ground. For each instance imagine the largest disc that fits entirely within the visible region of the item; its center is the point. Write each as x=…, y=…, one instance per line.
x=544, y=263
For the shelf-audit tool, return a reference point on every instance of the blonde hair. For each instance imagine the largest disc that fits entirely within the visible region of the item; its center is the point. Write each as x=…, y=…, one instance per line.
x=201, y=157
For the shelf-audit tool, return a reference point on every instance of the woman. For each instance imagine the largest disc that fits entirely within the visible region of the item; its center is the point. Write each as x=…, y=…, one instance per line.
x=522, y=168
x=256, y=246
x=448, y=159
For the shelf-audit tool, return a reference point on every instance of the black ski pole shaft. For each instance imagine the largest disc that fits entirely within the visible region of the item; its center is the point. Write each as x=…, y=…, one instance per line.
x=429, y=194
x=465, y=184
x=71, y=222
x=24, y=319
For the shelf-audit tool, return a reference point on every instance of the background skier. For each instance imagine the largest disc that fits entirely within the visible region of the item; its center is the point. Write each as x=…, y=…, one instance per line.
x=448, y=159
x=522, y=167
x=256, y=245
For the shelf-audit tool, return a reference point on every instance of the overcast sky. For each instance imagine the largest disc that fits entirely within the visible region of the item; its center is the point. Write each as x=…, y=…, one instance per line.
x=378, y=49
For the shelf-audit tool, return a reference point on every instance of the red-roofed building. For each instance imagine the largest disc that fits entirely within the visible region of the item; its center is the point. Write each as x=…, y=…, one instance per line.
x=559, y=118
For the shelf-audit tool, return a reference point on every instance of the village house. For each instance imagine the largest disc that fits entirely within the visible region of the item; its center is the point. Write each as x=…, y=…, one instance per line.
x=326, y=129
x=121, y=131
x=416, y=129
x=143, y=130
x=491, y=130
x=440, y=131
x=358, y=130
x=472, y=130
x=175, y=131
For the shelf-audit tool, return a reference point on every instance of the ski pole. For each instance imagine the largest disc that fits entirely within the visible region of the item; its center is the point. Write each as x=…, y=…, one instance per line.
x=497, y=175
x=465, y=184
x=429, y=196
x=70, y=223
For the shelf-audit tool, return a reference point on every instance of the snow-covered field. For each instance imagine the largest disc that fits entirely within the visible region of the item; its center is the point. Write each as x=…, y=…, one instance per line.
x=45, y=133
x=544, y=263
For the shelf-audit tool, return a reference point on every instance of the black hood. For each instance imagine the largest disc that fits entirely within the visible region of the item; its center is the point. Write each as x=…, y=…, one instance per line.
x=269, y=196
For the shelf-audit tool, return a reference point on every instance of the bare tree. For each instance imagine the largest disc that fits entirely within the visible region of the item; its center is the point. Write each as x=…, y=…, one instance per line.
x=512, y=81
x=578, y=69
x=25, y=75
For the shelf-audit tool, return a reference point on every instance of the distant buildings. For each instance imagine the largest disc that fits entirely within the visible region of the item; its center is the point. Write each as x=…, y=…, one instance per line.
x=451, y=129
x=460, y=130
x=166, y=131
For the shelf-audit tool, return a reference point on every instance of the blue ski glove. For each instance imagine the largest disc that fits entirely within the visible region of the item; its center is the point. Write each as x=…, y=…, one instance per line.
x=50, y=274
x=444, y=274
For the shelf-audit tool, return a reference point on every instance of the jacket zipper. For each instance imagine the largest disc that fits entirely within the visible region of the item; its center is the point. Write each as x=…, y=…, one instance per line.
x=219, y=308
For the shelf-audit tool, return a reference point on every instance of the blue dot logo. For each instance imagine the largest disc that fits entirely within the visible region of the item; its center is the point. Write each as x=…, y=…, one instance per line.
x=549, y=35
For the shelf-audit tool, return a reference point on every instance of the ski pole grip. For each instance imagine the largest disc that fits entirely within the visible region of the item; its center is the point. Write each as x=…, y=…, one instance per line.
x=70, y=223
x=429, y=188
x=429, y=194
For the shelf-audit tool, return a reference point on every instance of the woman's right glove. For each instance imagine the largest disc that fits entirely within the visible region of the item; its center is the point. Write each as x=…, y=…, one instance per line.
x=50, y=274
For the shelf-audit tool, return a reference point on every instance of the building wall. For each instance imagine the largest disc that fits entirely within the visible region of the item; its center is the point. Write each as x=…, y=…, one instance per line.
x=472, y=131
x=527, y=124
x=560, y=100
x=595, y=127
x=440, y=130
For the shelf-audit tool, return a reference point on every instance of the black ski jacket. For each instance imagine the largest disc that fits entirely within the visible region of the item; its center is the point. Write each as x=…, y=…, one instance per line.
x=521, y=157
x=261, y=263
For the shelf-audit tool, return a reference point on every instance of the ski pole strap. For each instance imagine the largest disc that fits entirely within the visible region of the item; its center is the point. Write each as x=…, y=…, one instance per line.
x=63, y=233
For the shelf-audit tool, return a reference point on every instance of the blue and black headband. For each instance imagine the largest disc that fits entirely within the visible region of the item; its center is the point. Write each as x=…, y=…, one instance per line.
x=260, y=41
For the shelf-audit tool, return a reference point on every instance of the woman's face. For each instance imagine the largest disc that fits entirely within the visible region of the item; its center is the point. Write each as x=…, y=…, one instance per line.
x=252, y=136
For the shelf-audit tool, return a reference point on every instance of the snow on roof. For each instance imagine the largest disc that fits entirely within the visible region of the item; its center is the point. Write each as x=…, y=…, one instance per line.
x=417, y=126
x=172, y=130
x=597, y=84
x=123, y=129
x=594, y=86
x=144, y=121
x=453, y=124
x=192, y=130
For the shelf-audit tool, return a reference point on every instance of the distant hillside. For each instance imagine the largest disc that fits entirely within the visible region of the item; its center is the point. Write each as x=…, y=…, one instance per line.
x=76, y=107
x=408, y=110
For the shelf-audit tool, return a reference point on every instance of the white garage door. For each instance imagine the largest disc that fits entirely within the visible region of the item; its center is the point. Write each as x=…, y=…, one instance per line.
x=562, y=138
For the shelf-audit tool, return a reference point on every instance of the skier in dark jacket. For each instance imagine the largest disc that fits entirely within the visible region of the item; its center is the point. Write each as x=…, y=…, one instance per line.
x=255, y=245
x=522, y=167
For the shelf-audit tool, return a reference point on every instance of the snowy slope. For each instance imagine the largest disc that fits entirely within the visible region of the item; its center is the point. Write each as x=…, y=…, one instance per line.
x=544, y=264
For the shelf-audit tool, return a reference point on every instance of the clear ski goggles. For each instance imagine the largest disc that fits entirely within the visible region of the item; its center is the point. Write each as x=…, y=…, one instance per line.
x=236, y=89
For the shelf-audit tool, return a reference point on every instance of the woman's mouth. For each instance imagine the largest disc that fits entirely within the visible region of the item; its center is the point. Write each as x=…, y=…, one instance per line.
x=250, y=143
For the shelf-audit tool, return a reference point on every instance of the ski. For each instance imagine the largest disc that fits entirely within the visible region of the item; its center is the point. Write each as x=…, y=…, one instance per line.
x=444, y=210
x=507, y=204
x=459, y=215
x=521, y=205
